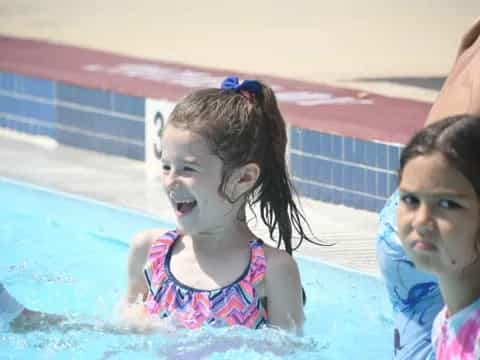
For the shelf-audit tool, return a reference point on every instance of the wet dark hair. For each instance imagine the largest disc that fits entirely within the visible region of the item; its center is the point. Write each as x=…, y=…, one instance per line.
x=457, y=138
x=248, y=129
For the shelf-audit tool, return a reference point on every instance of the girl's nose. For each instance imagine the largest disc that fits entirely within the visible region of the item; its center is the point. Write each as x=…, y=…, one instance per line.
x=170, y=179
x=423, y=220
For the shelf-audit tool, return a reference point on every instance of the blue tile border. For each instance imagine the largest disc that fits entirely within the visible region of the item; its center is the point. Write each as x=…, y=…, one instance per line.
x=343, y=170
x=82, y=96
x=35, y=87
x=126, y=104
x=99, y=120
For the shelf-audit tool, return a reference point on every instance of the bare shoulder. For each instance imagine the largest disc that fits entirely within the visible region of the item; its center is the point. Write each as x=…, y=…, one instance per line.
x=283, y=290
x=144, y=239
x=140, y=246
x=279, y=261
x=137, y=258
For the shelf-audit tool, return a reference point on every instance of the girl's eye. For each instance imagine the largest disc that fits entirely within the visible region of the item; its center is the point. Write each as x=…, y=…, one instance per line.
x=186, y=168
x=166, y=167
x=449, y=204
x=409, y=200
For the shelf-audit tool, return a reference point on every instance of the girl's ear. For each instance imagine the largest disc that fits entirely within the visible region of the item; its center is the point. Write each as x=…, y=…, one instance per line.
x=249, y=174
x=244, y=179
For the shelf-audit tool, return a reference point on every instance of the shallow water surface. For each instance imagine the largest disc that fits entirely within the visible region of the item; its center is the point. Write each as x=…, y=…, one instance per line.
x=67, y=255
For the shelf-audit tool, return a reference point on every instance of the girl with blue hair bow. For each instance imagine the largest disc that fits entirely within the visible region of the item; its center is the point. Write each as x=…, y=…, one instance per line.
x=222, y=150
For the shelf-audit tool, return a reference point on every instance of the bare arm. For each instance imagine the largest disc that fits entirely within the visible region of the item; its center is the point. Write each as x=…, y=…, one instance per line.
x=137, y=258
x=283, y=290
x=132, y=311
x=30, y=320
x=469, y=38
x=460, y=93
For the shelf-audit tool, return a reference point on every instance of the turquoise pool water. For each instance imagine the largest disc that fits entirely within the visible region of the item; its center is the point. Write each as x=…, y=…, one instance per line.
x=67, y=255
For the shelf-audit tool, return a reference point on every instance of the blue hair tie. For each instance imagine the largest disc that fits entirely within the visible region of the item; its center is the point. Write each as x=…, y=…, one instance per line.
x=250, y=86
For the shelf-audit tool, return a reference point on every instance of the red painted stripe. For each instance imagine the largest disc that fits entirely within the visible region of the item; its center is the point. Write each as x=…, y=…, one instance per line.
x=386, y=118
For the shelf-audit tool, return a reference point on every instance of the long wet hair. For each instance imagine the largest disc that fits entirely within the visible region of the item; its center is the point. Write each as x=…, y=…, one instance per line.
x=457, y=138
x=248, y=128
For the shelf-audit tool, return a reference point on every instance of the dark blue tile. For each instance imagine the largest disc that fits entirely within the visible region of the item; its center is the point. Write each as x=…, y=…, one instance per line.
x=9, y=105
x=323, y=171
x=7, y=81
x=47, y=131
x=112, y=147
x=35, y=86
x=30, y=129
x=314, y=192
x=382, y=184
x=325, y=145
x=296, y=165
x=84, y=96
x=370, y=155
x=359, y=152
x=322, y=193
x=337, y=196
x=337, y=174
x=349, y=149
x=76, y=118
x=308, y=169
x=20, y=126
x=120, y=127
x=392, y=183
x=370, y=204
x=393, y=157
x=371, y=182
x=74, y=139
x=358, y=179
x=131, y=105
x=103, y=124
x=8, y=123
x=348, y=199
x=36, y=110
x=337, y=147
x=307, y=190
x=348, y=177
x=301, y=187
x=295, y=138
x=382, y=162
x=98, y=144
x=380, y=203
x=136, y=152
x=358, y=201
x=311, y=142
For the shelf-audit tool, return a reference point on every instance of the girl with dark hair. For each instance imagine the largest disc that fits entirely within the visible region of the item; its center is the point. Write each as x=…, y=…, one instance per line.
x=438, y=219
x=222, y=150
x=414, y=294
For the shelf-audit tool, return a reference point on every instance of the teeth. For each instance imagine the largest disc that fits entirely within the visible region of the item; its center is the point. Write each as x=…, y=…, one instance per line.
x=171, y=195
x=183, y=201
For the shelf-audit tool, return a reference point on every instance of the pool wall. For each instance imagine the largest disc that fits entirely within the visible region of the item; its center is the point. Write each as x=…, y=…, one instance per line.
x=344, y=144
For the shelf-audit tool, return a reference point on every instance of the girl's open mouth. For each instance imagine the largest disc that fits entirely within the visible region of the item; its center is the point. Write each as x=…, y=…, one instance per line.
x=185, y=207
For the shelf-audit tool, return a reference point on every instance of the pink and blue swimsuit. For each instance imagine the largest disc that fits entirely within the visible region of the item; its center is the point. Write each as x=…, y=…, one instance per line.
x=235, y=304
x=457, y=337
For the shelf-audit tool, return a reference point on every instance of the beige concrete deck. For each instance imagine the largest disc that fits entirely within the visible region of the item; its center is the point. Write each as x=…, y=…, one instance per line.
x=124, y=183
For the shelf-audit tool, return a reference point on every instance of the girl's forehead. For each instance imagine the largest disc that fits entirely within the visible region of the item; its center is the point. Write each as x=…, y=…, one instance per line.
x=183, y=138
x=434, y=173
x=184, y=144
